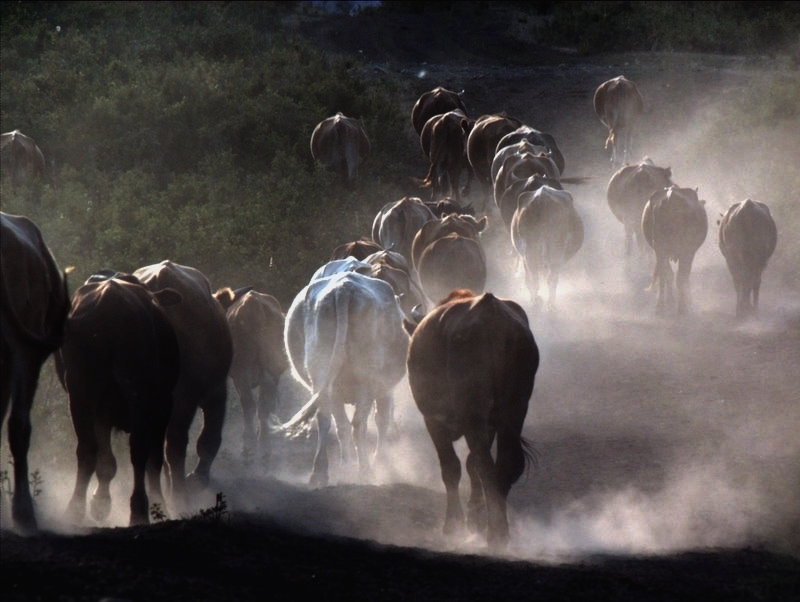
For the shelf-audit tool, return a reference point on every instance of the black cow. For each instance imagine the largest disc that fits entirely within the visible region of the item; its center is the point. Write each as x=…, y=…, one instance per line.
x=21, y=159
x=119, y=365
x=206, y=353
x=34, y=304
x=618, y=104
x=434, y=102
x=340, y=143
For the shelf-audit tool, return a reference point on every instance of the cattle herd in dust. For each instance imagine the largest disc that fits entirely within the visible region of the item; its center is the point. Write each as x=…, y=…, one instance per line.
x=130, y=354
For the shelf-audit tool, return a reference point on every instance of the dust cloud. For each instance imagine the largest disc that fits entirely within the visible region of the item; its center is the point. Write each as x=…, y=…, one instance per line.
x=654, y=434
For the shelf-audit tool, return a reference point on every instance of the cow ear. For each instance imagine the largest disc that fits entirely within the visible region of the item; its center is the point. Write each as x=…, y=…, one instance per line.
x=409, y=326
x=482, y=223
x=167, y=297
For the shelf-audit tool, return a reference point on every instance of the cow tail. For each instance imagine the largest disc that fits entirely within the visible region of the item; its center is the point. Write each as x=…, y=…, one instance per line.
x=299, y=424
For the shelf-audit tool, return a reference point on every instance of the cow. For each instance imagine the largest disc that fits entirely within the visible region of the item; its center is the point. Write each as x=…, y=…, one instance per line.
x=345, y=342
x=546, y=231
x=447, y=205
x=34, y=303
x=119, y=364
x=21, y=158
x=627, y=193
x=256, y=322
x=507, y=200
x=398, y=222
x=674, y=224
x=357, y=248
x=434, y=102
x=523, y=147
x=464, y=225
x=535, y=138
x=618, y=104
x=471, y=367
x=341, y=144
x=482, y=144
x=747, y=238
x=393, y=268
x=444, y=143
x=519, y=163
x=450, y=262
x=206, y=348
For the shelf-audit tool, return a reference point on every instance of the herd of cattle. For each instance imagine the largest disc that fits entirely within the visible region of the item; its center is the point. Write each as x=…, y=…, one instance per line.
x=143, y=352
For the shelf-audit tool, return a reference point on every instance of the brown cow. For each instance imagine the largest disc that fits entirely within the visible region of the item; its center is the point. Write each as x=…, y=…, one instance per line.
x=444, y=143
x=508, y=201
x=482, y=144
x=206, y=348
x=472, y=363
x=675, y=224
x=747, y=238
x=358, y=248
x=618, y=104
x=21, y=158
x=447, y=206
x=628, y=191
x=535, y=138
x=398, y=222
x=434, y=102
x=464, y=225
x=34, y=304
x=450, y=262
x=546, y=231
x=340, y=143
x=256, y=321
x=119, y=365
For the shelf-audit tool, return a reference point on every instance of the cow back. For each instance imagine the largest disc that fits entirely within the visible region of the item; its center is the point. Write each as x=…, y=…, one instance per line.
x=434, y=102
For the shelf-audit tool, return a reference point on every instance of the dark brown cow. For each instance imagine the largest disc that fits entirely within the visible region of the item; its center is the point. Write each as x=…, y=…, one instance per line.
x=618, y=104
x=256, y=321
x=482, y=144
x=21, y=158
x=434, y=102
x=675, y=224
x=119, y=365
x=393, y=268
x=463, y=225
x=628, y=191
x=546, y=231
x=535, y=138
x=206, y=354
x=358, y=248
x=340, y=143
x=508, y=200
x=397, y=223
x=444, y=142
x=747, y=238
x=33, y=311
x=472, y=363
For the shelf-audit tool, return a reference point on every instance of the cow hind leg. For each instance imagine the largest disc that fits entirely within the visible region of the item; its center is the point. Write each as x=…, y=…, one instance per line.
x=497, y=523
x=319, y=474
x=248, y=418
x=139, y=457
x=450, y=467
x=267, y=404
x=105, y=470
x=360, y=418
x=210, y=439
x=19, y=439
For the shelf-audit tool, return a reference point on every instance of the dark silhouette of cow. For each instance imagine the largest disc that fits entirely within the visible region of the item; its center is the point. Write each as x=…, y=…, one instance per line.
x=747, y=238
x=206, y=353
x=675, y=224
x=357, y=248
x=482, y=145
x=119, y=365
x=444, y=143
x=256, y=321
x=21, y=158
x=341, y=144
x=434, y=102
x=618, y=104
x=628, y=191
x=471, y=364
x=535, y=138
x=34, y=303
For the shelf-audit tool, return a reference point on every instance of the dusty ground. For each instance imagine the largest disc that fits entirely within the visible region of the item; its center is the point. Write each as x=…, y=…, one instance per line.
x=668, y=450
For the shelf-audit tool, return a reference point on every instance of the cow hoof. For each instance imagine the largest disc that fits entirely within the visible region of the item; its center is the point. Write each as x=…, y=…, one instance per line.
x=100, y=508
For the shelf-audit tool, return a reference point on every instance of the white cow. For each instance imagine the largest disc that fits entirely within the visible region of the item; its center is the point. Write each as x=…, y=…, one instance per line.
x=346, y=343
